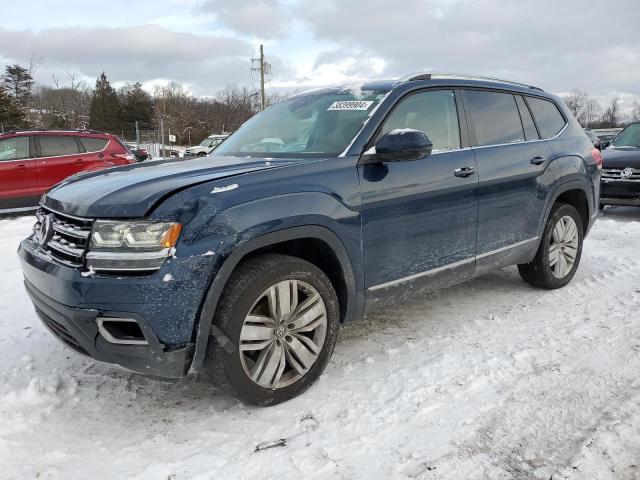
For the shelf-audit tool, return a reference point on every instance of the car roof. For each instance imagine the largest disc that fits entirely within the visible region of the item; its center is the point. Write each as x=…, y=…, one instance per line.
x=424, y=79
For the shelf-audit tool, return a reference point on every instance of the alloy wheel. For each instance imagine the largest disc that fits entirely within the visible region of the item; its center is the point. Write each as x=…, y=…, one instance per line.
x=563, y=248
x=283, y=334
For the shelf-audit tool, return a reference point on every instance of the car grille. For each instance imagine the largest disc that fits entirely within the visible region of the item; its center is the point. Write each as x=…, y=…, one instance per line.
x=62, y=237
x=623, y=174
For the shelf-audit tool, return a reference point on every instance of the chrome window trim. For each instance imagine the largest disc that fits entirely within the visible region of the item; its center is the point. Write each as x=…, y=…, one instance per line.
x=451, y=265
x=566, y=125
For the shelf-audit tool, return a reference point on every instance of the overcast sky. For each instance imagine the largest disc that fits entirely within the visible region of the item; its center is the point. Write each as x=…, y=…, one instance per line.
x=558, y=45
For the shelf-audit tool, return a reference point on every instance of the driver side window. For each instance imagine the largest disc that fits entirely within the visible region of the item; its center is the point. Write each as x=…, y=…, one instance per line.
x=432, y=112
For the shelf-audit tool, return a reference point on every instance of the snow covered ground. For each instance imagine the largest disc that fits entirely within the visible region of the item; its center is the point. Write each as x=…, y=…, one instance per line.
x=490, y=379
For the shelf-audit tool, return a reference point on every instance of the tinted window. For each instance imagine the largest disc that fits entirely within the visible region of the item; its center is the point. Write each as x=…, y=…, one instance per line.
x=56, y=146
x=433, y=113
x=14, y=148
x=92, y=144
x=548, y=118
x=530, y=131
x=494, y=117
x=629, y=137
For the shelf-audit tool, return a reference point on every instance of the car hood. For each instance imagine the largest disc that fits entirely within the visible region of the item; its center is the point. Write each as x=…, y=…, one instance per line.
x=621, y=158
x=131, y=191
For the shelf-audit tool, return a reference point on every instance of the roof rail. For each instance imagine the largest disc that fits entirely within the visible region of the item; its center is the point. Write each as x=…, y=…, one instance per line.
x=59, y=130
x=461, y=76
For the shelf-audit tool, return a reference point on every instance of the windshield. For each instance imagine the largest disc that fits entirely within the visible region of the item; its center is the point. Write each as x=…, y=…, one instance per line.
x=315, y=125
x=629, y=137
x=205, y=142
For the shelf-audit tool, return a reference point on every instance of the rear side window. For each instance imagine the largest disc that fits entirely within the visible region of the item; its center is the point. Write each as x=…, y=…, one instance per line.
x=494, y=117
x=433, y=113
x=15, y=148
x=530, y=131
x=548, y=118
x=54, y=146
x=92, y=144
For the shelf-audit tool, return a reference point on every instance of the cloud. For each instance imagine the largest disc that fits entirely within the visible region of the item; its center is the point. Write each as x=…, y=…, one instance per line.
x=558, y=45
x=259, y=19
x=139, y=53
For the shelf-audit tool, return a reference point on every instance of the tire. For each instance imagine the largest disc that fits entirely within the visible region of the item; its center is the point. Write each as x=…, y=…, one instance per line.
x=542, y=272
x=255, y=287
x=201, y=154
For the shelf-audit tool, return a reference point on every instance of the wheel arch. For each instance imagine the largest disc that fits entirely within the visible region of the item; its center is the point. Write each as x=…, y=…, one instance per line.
x=329, y=252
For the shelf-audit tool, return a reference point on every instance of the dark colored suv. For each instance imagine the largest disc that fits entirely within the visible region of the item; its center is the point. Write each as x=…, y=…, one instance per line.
x=33, y=161
x=621, y=169
x=323, y=207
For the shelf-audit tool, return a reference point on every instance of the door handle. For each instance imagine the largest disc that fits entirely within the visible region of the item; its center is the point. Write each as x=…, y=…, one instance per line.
x=537, y=160
x=464, y=172
x=80, y=160
x=23, y=166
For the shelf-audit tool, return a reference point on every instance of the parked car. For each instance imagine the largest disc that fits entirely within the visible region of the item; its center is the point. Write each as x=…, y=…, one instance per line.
x=205, y=147
x=140, y=153
x=621, y=169
x=595, y=140
x=32, y=161
x=242, y=266
x=606, y=135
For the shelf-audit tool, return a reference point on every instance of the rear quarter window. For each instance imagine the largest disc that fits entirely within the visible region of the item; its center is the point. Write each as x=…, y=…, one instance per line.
x=548, y=118
x=93, y=144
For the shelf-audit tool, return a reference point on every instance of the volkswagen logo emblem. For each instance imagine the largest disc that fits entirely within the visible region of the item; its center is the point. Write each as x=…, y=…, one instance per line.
x=626, y=173
x=45, y=230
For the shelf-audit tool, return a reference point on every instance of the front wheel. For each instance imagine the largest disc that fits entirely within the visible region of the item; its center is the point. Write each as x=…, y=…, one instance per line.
x=282, y=315
x=559, y=252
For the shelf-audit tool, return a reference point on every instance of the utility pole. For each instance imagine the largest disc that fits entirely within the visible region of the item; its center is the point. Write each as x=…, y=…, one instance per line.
x=265, y=69
x=262, y=99
x=137, y=134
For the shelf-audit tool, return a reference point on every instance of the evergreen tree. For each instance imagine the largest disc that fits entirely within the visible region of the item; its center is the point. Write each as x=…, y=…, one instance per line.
x=10, y=115
x=137, y=105
x=18, y=81
x=104, y=112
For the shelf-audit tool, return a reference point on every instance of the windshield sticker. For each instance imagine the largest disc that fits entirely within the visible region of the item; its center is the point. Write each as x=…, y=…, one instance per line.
x=350, y=105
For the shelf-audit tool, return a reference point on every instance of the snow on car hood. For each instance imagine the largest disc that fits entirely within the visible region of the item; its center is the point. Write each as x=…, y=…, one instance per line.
x=131, y=191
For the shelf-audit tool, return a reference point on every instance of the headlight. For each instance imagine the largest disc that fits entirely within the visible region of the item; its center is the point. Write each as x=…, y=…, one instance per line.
x=136, y=246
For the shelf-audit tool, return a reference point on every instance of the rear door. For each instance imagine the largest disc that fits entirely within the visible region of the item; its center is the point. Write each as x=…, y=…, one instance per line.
x=58, y=156
x=510, y=159
x=18, y=182
x=93, y=152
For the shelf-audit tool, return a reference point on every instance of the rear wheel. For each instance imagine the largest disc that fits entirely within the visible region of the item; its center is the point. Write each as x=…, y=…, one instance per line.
x=559, y=252
x=282, y=314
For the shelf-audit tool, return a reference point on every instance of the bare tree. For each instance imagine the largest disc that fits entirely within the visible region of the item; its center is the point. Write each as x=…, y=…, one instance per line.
x=611, y=116
x=635, y=111
x=576, y=102
x=592, y=111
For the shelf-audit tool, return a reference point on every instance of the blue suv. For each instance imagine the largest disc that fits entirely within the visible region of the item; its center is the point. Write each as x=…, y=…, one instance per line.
x=242, y=264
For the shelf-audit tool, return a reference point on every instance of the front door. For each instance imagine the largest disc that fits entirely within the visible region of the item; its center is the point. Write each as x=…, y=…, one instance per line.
x=18, y=182
x=420, y=217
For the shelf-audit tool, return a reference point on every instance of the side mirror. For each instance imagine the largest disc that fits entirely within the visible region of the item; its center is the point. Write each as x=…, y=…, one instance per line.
x=402, y=144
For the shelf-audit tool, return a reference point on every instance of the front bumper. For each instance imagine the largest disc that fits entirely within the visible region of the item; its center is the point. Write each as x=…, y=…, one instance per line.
x=69, y=304
x=77, y=328
x=620, y=192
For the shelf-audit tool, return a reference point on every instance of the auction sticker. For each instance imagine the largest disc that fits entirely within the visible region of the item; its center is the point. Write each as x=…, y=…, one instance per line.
x=350, y=105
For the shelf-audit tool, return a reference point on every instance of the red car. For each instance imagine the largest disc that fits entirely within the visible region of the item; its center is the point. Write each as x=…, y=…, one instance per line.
x=33, y=161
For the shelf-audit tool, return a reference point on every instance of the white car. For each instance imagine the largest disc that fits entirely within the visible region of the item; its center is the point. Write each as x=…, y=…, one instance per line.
x=207, y=146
